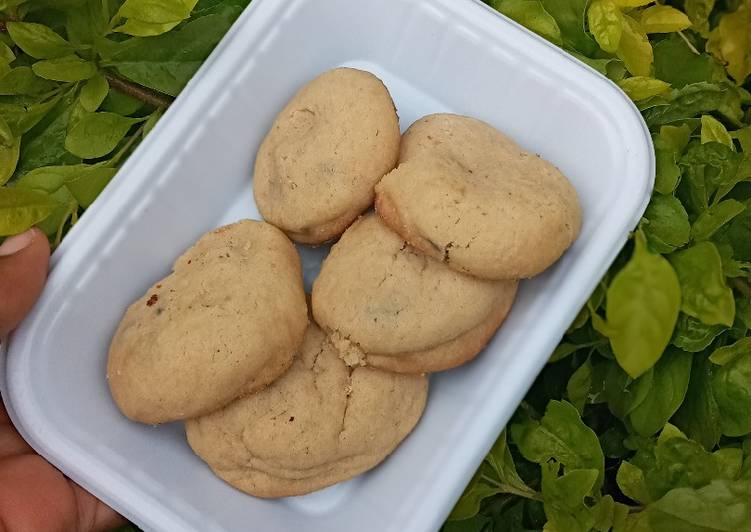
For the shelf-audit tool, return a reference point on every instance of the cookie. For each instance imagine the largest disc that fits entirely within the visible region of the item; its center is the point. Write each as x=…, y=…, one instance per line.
x=316, y=169
x=388, y=305
x=321, y=423
x=469, y=196
x=226, y=322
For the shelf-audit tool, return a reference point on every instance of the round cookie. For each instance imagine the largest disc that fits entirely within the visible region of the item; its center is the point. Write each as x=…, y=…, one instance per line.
x=386, y=305
x=316, y=169
x=468, y=195
x=320, y=423
x=225, y=322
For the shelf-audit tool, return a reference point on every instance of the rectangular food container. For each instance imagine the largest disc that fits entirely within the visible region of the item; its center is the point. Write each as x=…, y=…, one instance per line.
x=194, y=173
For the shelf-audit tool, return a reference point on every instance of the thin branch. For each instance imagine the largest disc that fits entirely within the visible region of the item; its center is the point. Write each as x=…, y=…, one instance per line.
x=688, y=43
x=139, y=92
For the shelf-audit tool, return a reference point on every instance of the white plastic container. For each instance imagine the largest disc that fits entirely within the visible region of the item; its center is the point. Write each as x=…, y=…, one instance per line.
x=193, y=173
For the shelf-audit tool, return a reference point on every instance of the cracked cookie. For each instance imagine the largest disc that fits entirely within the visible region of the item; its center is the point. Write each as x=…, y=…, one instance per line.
x=387, y=305
x=469, y=196
x=225, y=322
x=321, y=423
x=316, y=169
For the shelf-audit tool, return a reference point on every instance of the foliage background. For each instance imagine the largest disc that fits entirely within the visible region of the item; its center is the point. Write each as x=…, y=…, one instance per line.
x=641, y=420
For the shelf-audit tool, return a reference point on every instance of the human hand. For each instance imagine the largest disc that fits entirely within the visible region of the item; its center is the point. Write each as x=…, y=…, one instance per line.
x=33, y=494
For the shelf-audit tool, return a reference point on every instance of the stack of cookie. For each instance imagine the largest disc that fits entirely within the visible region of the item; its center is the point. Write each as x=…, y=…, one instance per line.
x=278, y=404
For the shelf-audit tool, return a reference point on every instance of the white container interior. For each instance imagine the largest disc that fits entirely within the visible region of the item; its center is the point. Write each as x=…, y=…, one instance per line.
x=194, y=173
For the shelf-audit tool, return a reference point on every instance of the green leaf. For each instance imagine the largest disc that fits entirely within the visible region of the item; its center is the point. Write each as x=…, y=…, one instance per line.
x=564, y=498
x=723, y=505
x=666, y=394
x=663, y=19
x=727, y=354
x=532, y=15
x=634, y=48
x=97, y=134
x=560, y=435
x=631, y=482
x=54, y=225
x=737, y=236
x=640, y=88
x=682, y=463
x=704, y=294
x=6, y=54
x=680, y=66
x=87, y=23
x=43, y=144
x=502, y=463
x=87, y=187
x=699, y=415
x=605, y=24
x=167, y=62
x=730, y=42
x=469, y=503
x=570, y=16
x=667, y=227
x=9, y=154
x=622, y=393
x=22, y=80
x=706, y=169
x=669, y=146
x=69, y=68
x=692, y=335
x=642, y=307
x=122, y=104
x=21, y=209
x=712, y=130
x=38, y=40
x=711, y=220
x=698, y=11
x=94, y=92
x=696, y=99
x=731, y=384
x=579, y=385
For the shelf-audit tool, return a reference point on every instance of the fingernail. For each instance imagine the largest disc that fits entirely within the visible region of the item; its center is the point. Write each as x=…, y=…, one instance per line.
x=16, y=243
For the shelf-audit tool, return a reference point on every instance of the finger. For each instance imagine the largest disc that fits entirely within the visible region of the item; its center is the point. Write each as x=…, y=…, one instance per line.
x=24, y=260
x=36, y=496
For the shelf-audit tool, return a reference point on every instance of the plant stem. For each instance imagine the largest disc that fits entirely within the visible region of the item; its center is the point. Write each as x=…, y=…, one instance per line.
x=3, y=27
x=742, y=285
x=505, y=488
x=139, y=92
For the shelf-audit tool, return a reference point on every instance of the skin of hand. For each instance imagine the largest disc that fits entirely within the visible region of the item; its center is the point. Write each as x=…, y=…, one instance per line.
x=34, y=496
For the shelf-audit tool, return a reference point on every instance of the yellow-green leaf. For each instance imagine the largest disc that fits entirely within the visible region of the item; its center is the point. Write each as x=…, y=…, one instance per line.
x=730, y=42
x=663, y=19
x=37, y=40
x=639, y=87
x=21, y=209
x=9, y=159
x=634, y=48
x=605, y=24
x=94, y=92
x=712, y=130
x=632, y=3
x=6, y=54
x=69, y=68
x=138, y=28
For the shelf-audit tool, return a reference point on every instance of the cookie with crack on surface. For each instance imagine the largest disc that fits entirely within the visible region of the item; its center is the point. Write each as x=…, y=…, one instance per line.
x=316, y=169
x=226, y=322
x=387, y=305
x=321, y=423
x=468, y=195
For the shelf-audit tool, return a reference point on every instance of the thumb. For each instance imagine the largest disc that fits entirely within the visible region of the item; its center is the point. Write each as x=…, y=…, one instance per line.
x=23, y=269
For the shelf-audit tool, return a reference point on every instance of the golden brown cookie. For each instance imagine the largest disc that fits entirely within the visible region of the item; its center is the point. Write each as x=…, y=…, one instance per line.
x=225, y=322
x=316, y=169
x=320, y=423
x=387, y=305
x=469, y=196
